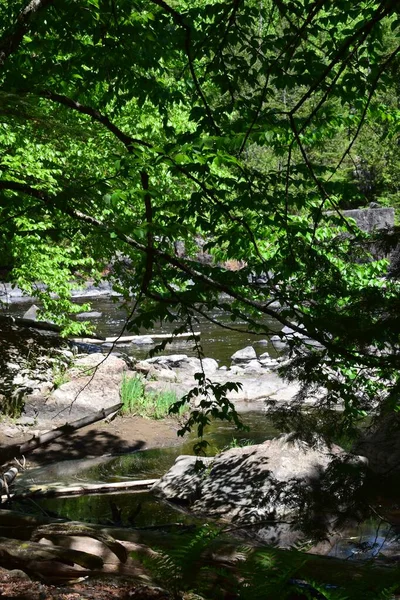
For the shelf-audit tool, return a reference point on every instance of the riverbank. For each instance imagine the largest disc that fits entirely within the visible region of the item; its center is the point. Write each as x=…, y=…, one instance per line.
x=122, y=435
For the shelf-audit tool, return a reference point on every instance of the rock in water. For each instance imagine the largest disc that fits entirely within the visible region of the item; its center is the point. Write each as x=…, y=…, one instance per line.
x=281, y=480
x=244, y=355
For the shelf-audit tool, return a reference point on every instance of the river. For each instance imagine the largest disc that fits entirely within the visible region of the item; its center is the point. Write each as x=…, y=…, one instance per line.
x=217, y=343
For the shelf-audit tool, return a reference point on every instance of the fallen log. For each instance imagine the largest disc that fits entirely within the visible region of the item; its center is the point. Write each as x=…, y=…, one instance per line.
x=32, y=556
x=7, y=453
x=60, y=490
x=7, y=478
x=75, y=529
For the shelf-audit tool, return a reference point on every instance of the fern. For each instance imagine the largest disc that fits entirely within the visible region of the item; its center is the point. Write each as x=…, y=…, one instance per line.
x=179, y=569
x=258, y=574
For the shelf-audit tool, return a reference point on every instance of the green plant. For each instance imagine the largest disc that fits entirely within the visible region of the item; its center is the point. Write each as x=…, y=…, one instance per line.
x=132, y=395
x=208, y=564
x=59, y=375
x=136, y=400
x=235, y=443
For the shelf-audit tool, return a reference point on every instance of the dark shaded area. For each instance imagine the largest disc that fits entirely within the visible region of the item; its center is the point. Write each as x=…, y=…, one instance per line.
x=23, y=348
x=90, y=443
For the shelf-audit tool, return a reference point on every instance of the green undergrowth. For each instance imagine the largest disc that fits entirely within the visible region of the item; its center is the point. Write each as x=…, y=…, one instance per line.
x=136, y=400
x=206, y=565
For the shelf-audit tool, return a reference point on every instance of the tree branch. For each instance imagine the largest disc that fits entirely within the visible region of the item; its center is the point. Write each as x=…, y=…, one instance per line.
x=10, y=42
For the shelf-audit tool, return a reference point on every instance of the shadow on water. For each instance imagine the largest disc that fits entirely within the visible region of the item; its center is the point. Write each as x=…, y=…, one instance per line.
x=138, y=464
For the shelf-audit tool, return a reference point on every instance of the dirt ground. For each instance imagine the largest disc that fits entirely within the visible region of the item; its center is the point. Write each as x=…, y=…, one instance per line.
x=121, y=435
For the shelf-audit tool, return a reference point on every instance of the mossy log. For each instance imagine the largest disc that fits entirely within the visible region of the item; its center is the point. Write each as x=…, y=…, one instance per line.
x=35, y=558
x=75, y=529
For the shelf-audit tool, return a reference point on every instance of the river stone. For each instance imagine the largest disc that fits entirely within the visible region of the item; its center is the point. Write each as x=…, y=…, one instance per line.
x=244, y=355
x=95, y=384
x=252, y=365
x=188, y=364
x=101, y=362
x=277, y=480
x=93, y=314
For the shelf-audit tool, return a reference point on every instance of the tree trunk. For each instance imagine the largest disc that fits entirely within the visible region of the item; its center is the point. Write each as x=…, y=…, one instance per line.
x=58, y=490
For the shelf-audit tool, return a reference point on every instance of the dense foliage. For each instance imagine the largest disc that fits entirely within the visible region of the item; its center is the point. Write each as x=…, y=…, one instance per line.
x=127, y=127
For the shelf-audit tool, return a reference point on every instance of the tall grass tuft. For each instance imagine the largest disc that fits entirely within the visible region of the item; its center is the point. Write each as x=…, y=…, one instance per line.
x=137, y=401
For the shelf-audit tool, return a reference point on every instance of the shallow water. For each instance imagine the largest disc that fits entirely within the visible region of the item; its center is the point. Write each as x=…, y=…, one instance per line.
x=217, y=343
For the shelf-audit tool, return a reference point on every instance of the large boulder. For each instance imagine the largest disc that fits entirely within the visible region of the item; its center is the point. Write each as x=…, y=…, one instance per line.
x=94, y=383
x=281, y=480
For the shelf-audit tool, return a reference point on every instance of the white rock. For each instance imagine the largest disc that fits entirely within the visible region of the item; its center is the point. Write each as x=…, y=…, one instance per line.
x=244, y=355
x=209, y=365
x=253, y=365
x=166, y=375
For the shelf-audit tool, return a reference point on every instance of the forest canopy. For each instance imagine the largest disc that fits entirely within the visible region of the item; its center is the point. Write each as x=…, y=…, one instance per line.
x=245, y=126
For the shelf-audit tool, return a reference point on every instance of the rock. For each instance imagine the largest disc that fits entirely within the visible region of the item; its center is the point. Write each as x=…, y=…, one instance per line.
x=31, y=313
x=13, y=366
x=165, y=375
x=281, y=479
x=264, y=355
x=65, y=353
x=10, y=431
x=244, y=355
x=95, y=384
x=94, y=314
x=144, y=367
x=25, y=421
x=101, y=362
x=16, y=575
x=209, y=365
x=182, y=362
x=85, y=348
x=269, y=363
x=184, y=479
x=252, y=365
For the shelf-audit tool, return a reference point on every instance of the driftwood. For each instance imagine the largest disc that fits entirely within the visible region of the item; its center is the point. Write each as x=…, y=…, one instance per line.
x=32, y=556
x=76, y=529
x=7, y=478
x=7, y=453
x=60, y=490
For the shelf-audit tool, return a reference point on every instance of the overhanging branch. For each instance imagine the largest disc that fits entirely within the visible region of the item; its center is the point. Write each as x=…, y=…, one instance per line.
x=11, y=41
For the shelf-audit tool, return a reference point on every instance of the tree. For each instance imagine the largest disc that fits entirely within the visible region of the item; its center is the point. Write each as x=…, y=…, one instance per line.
x=129, y=126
